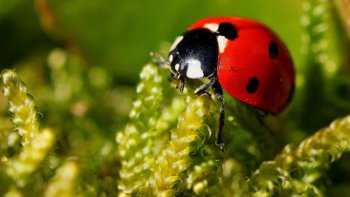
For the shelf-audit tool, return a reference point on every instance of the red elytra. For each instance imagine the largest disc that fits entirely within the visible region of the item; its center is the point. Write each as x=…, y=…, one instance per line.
x=247, y=60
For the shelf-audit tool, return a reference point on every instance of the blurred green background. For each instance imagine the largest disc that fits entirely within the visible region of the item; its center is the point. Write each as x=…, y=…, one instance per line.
x=119, y=34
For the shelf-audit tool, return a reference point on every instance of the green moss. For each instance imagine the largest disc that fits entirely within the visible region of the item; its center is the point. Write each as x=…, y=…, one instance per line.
x=22, y=106
x=299, y=169
x=84, y=136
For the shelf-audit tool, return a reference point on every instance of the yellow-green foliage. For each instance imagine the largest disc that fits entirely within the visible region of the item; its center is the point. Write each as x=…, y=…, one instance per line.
x=185, y=139
x=24, y=116
x=298, y=168
x=21, y=106
x=185, y=161
x=62, y=184
x=81, y=142
x=36, y=143
x=31, y=155
x=136, y=145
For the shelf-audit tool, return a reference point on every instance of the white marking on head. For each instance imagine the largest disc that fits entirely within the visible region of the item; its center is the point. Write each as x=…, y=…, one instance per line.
x=171, y=58
x=212, y=26
x=194, y=69
x=176, y=42
x=222, y=42
x=177, y=66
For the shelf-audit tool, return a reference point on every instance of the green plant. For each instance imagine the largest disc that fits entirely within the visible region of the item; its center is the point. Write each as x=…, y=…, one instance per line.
x=73, y=139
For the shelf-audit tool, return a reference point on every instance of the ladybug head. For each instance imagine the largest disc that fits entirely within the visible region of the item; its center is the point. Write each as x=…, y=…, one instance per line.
x=194, y=55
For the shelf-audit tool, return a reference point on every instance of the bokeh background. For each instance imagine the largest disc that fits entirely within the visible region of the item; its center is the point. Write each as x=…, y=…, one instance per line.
x=120, y=34
x=81, y=61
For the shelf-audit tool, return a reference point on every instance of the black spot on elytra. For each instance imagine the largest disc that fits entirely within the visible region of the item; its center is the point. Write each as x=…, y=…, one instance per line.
x=228, y=30
x=273, y=50
x=252, y=85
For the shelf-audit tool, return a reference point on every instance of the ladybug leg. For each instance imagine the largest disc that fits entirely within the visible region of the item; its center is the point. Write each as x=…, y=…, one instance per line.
x=261, y=112
x=159, y=59
x=202, y=90
x=182, y=84
x=219, y=94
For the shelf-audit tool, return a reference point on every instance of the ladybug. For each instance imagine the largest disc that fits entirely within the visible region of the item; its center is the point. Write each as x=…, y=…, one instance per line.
x=240, y=55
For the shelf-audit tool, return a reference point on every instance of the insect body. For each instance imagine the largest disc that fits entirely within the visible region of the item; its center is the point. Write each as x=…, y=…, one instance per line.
x=240, y=55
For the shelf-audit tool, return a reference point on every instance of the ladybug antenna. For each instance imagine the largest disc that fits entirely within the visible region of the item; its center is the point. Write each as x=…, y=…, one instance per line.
x=158, y=59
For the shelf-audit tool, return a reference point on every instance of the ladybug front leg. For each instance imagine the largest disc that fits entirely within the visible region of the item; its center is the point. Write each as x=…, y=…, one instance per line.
x=219, y=94
x=202, y=90
x=159, y=60
x=182, y=84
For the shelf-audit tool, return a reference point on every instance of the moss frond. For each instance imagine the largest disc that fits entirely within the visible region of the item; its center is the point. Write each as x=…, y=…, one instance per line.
x=22, y=106
x=13, y=192
x=169, y=115
x=232, y=179
x=136, y=141
x=31, y=155
x=64, y=181
x=297, y=169
x=36, y=144
x=186, y=139
x=201, y=177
